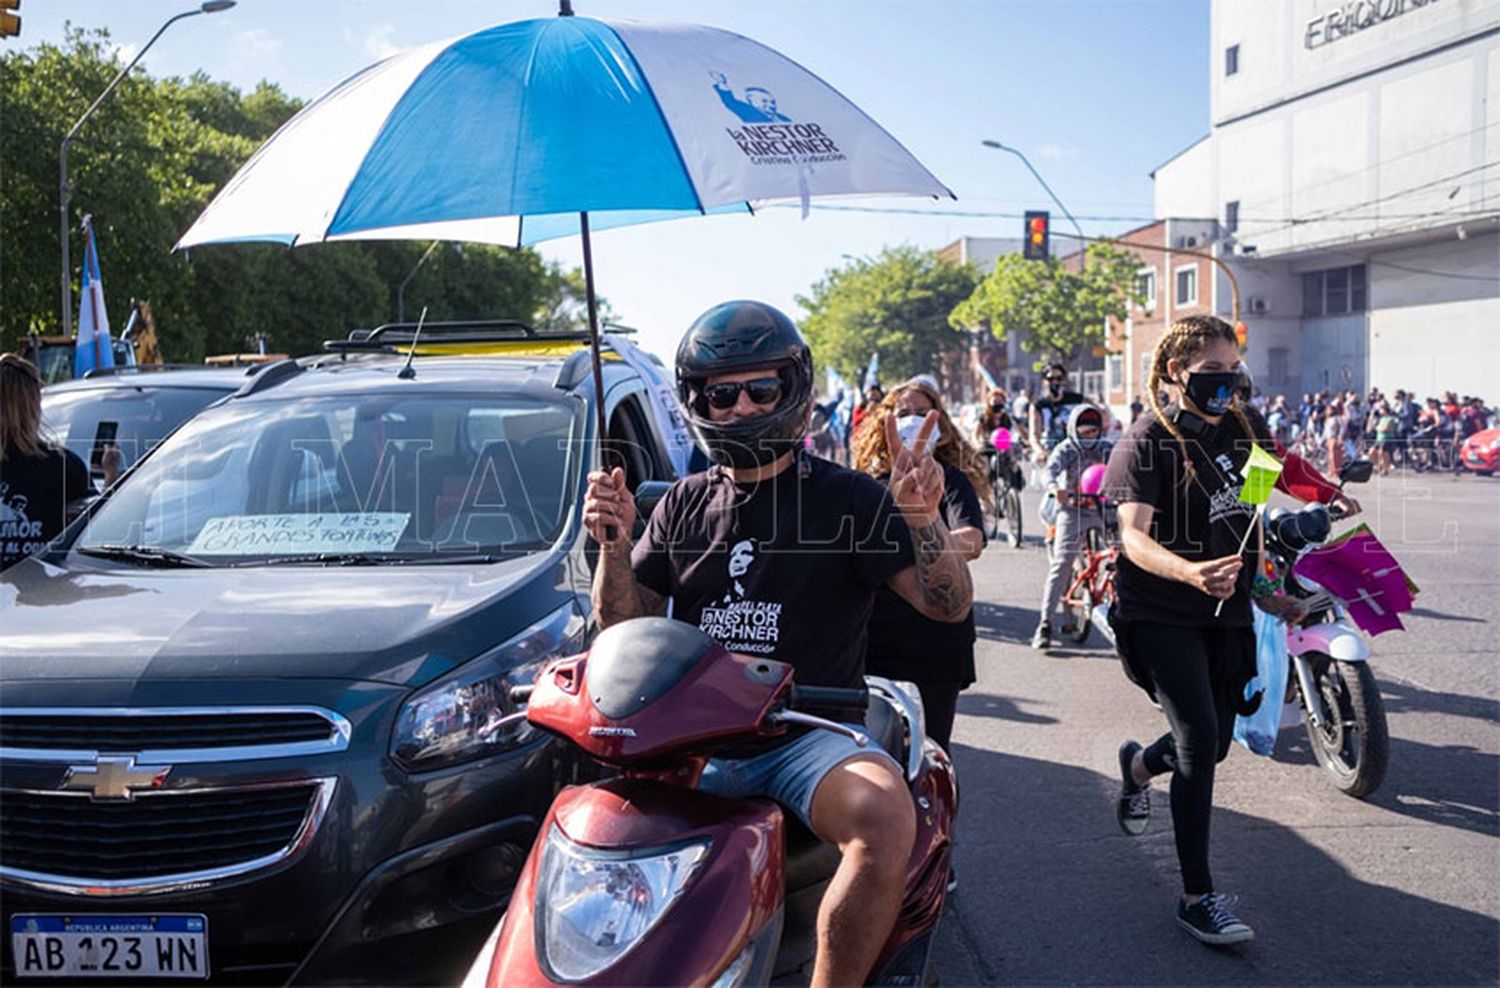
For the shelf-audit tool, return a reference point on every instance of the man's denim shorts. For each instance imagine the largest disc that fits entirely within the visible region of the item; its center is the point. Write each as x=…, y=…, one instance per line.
x=789, y=774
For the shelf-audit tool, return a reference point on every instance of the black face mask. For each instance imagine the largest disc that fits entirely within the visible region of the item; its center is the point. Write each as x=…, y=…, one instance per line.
x=1055, y=388
x=1213, y=393
x=997, y=406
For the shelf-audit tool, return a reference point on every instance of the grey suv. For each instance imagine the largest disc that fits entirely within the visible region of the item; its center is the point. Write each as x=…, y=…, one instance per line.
x=248, y=701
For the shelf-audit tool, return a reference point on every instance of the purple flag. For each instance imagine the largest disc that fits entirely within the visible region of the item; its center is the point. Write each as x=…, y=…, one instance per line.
x=1362, y=573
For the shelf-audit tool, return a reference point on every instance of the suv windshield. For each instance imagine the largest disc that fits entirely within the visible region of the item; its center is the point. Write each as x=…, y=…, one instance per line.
x=348, y=478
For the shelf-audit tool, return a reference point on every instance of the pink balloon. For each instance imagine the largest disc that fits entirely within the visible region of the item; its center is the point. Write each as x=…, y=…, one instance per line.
x=1092, y=480
x=1001, y=439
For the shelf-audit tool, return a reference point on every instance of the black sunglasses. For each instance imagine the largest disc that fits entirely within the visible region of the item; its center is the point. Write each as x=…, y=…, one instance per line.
x=762, y=391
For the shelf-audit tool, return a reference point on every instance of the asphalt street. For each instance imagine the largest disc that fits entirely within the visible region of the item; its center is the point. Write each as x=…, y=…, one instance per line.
x=1401, y=888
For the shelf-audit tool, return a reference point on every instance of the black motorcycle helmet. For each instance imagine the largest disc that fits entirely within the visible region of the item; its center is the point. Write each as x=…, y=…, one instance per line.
x=740, y=336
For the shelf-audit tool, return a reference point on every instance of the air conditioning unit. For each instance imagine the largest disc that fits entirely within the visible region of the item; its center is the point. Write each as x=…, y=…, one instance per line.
x=1257, y=306
x=1191, y=241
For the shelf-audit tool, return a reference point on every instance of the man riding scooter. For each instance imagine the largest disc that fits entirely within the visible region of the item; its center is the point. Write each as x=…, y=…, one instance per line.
x=759, y=553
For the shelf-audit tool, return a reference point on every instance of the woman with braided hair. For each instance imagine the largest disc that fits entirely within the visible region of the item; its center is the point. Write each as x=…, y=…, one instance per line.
x=1176, y=478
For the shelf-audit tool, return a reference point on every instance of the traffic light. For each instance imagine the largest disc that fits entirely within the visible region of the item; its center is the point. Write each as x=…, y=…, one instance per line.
x=10, y=24
x=1035, y=245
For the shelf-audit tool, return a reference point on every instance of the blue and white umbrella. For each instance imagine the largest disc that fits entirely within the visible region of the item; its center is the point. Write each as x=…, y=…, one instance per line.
x=544, y=128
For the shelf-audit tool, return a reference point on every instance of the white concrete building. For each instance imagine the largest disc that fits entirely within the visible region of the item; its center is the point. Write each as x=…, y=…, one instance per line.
x=1354, y=167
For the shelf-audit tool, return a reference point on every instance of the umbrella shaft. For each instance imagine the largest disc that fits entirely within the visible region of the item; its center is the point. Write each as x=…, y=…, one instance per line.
x=593, y=309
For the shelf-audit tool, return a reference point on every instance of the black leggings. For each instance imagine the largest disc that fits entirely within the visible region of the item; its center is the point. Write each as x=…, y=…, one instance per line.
x=939, y=704
x=1202, y=728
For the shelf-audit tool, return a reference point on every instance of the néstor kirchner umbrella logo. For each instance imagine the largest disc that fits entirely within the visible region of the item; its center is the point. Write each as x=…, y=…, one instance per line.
x=769, y=136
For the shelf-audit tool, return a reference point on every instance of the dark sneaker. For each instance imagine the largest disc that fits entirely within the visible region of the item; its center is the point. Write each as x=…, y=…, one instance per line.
x=1133, y=810
x=1210, y=920
x=1043, y=637
x=952, y=880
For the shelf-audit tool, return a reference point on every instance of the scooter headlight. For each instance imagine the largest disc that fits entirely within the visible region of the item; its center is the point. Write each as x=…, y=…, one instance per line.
x=593, y=906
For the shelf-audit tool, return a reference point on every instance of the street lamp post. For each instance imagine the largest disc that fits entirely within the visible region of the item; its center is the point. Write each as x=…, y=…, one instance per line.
x=65, y=191
x=1082, y=256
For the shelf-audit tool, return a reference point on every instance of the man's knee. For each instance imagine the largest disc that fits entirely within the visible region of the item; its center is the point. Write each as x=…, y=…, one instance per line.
x=865, y=807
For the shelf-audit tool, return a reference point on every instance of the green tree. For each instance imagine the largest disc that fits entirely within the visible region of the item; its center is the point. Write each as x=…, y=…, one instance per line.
x=896, y=304
x=1059, y=313
x=146, y=163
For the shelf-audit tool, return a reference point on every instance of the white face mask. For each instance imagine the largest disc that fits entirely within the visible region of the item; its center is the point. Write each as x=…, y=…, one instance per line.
x=908, y=426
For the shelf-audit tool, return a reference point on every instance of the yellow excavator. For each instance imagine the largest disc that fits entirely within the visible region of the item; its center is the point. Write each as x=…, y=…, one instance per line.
x=136, y=344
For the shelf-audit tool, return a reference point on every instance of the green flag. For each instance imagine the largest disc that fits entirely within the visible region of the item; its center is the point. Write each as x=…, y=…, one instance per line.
x=1260, y=473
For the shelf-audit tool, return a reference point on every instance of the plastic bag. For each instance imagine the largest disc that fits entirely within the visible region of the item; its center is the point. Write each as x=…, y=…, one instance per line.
x=1258, y=731
x=1047, y=510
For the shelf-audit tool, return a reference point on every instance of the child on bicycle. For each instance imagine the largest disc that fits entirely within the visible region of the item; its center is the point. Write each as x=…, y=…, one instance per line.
x=1073, y=513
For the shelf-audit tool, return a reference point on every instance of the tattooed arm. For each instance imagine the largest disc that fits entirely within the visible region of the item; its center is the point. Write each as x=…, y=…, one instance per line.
x=616, y=594
x=609, y=515
x=938, y=585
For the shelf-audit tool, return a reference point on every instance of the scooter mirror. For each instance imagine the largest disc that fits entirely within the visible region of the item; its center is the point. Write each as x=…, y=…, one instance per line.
x=1356, y=472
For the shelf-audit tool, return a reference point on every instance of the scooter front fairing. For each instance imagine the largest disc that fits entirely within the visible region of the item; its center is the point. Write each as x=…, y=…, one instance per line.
x=620, y=857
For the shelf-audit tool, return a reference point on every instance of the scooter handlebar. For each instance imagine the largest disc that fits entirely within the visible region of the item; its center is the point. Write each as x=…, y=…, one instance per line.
x=829, y=696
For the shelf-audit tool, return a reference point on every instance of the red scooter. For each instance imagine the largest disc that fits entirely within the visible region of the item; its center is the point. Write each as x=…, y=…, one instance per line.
x=640, y=879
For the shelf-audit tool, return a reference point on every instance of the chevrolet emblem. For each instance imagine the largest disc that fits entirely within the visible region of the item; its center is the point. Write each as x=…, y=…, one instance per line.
x=112, y=777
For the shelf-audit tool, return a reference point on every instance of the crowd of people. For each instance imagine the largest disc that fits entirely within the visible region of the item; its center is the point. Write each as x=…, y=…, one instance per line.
x=1394, y=431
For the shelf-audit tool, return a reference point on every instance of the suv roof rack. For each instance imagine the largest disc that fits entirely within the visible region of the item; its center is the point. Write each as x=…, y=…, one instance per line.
x=268, y=376
x=388, y=337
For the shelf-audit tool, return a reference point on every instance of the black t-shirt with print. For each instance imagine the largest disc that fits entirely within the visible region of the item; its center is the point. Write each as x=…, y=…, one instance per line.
x=786, y=568
x=1054, y=415
x=1202, y=519
x=34, y=495
x=907, y=644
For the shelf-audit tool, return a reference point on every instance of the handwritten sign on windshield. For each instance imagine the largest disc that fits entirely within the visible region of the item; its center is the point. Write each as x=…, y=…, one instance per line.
x=272, y=535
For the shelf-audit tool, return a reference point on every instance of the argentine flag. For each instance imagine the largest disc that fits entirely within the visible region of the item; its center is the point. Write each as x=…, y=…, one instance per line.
x=94, y=347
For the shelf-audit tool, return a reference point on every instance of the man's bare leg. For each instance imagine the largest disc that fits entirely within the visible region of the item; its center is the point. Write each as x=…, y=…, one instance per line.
x=864, y=807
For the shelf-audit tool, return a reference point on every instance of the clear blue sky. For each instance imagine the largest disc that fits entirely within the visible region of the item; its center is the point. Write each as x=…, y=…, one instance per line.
x=1097, y=93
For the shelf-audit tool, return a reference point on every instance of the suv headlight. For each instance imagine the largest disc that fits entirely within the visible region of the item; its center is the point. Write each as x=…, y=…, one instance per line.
x=594, y=905
x=455, y=718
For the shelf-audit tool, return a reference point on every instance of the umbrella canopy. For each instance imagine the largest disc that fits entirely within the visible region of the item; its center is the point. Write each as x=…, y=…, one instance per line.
x=508, y=134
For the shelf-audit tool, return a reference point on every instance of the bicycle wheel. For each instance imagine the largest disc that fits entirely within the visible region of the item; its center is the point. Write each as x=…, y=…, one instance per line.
x=1012, y=501
x=1079, y=603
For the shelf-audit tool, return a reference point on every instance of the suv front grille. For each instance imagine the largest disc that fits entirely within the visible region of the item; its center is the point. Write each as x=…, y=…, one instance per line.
x=124, y=847
x=108, y=732
x=124, y=837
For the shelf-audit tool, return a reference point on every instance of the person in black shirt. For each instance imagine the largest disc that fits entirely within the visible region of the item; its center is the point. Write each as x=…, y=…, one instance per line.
x=779, y=554
x=904, y=644
x=37, y=479
x=1049, y=413
x=1176, y=478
